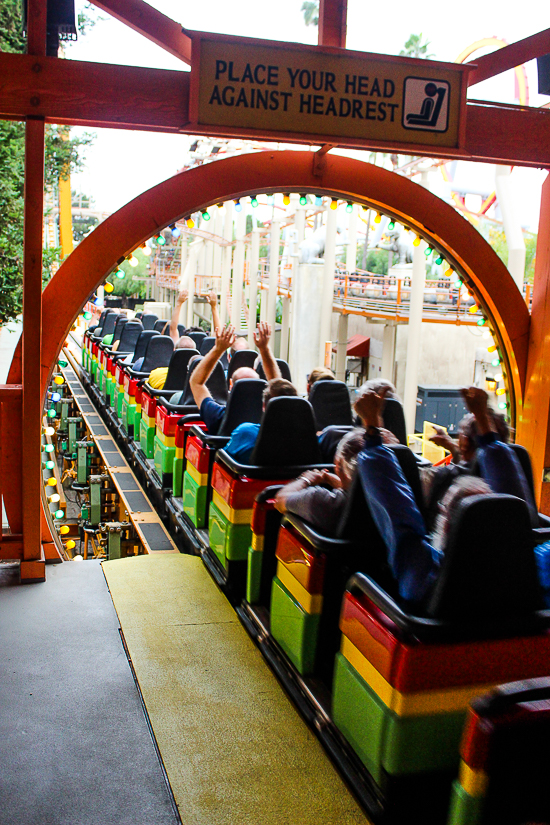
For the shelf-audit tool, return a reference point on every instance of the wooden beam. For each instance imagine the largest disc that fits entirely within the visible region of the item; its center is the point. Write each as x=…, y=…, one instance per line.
x=513, y=135
x=36, y=27
x=333, y=23
x=510, y=56
x=152, y=24
x=93, y=94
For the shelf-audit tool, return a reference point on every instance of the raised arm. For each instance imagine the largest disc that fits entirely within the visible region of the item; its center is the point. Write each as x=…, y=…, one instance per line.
x=262, y=337
x=201, y=373
x=213, y=301
x=180, y=300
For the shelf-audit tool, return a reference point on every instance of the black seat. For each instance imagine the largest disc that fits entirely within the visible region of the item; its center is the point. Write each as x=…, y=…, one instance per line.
x=489, y=568
x=329, y=440
x=197, y=337
x=148, y=319
x=287, y=435
x=181, y=330
x=162, y=325
x=243, y=405
x=108, y=326
x=283, y=366
x=93, y=327
x=184, y=402
x=138, y=315
x=206, y=344
x=121, y=322
x=331, y=404
x=176, y=377
x=242, y=358
x=129, y=338
x=394, y=419
x=158, y=354
x=142, y=344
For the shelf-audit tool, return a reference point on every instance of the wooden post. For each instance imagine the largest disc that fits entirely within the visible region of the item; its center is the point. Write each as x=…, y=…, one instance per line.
x=332, y=23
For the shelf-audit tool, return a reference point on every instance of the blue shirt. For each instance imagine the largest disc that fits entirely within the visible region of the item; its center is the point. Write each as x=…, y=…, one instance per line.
x=242, y=442
x=212, y=414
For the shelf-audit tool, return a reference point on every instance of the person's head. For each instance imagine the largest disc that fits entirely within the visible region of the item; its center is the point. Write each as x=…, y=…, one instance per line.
x=192, y=329
x=345, y=458
x=379, y=384
x=462, y=488
x=276, y=388
x=319, y=374
x=238, y=343
x=468, y=433
x=243, y=372
x=185, y=343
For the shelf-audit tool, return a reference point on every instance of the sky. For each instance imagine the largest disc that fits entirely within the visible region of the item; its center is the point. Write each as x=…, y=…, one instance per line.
x=122, y=163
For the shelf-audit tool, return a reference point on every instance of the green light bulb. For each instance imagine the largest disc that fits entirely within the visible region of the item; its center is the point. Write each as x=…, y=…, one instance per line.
x=59, y=514
x=49, y=448
x=50, y=465
x=87, y=316
x=428, y=251
x=206, y=216
x=481, y=322
x=52, y=413
x=63, y=364
x=439, y=260
x=349, y=207
x=502, y=405
x=120, y=274
x=303, y=200
x=391, y=225
x=254, y=201
x=495, y=362
x=161, y=240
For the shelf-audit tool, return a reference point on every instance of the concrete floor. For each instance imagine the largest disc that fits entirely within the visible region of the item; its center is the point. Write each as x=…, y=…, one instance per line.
x=75, y=747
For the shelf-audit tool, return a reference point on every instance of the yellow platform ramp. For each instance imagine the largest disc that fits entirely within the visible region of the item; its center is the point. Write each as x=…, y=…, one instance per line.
x=234, y=747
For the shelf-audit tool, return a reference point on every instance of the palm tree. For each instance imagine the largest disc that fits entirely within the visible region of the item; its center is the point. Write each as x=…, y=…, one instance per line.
x=310, y=9
x=414, y=47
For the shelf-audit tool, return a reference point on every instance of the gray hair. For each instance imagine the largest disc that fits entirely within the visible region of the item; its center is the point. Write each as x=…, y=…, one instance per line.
x=379, y=384
x=348, y=449
x=462, y=488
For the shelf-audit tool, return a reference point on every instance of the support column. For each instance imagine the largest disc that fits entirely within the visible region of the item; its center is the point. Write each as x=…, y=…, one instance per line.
x=238, y=271
x=415, y=329
x=217, y=249
x=273, y=272
x=226, y=261
x=533, y=418
x=285, y=330
x=300, y=230
x=306, y=308
x=342, y=347
x=328, y=283
x=253, y=280
x=512, y=225
x=388, y=351
x=351, y=246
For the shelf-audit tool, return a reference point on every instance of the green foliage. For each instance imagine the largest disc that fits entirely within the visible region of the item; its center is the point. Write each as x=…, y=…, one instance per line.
x=377, y=261
x=414, y=47
x=127, y=286
x=12, y=38
x=62, y=153
x=310, y=9
x=497, y=238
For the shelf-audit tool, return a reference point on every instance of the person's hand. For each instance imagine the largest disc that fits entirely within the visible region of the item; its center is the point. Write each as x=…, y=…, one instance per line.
x=224, y=338
x=441, y=439
x=388, y=437
x=212, y=298
x=330, y=479
x=370, y=405
x=262, y=335
x=475, y=399
x=182, y=296
x=312, y=476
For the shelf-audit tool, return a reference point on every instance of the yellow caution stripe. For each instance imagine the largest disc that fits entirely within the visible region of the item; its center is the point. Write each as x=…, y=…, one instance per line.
x=420, y=703
x=199, y=478
x=233, y=516
x=180, y=453
x=473, y=781
x=148, y=420
x=310, y=602
x=257, y=542
x=167, y=440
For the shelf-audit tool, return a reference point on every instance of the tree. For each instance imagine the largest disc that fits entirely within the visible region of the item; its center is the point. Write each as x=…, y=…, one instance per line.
x=310, y=9
x=61, y=156
x=128, y=286
x=414, y=47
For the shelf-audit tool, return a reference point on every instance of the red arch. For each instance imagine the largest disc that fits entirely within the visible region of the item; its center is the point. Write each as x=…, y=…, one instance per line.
x=345, y=178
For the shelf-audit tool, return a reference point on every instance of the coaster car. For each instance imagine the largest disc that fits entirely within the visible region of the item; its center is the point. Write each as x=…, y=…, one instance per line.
x=127, y=361
x=158, y=354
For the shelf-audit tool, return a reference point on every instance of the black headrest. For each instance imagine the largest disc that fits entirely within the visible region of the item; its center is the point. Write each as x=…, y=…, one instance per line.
x=181, y=330
x=287, y=434
x=283, y=366
x=143, y=342
x=158, y=353
x=242, y=358
x=148, y=319
x=216, y=384
x=488, y=572
x=108, y=325
x=161, y=324
x=177, y=369
x=102, y=318
x=329, y=440
x=121, y=322
x=394, y=419
x=206, y=344
x=243, y=405
x=331, y=404
x=525, y=461
x=130, y=334
x=197, y=337
x=138, y=315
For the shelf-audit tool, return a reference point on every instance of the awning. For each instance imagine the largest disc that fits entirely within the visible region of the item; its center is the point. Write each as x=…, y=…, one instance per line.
x=358, y=346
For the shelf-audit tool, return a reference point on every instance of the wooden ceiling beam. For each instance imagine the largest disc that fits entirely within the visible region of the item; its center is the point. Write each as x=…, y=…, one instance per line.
x=510, y=56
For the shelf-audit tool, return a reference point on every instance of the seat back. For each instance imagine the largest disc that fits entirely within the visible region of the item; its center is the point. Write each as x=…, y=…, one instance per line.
x=394, y=419
x=158, y=353
x=283, y=366
x=138, y=315
x=197, y=337
x=287, y=435
x=121, y=322
x=130, y=335
x=102, y=317
x=161, y=326
x=243, y=405
x=148, y=319
x=216, y=384
x=181, y=330
x=242, y=358
x=177, y=369
x=331, y=404
x=525, y=461
x=142, y=343
x=108, y=324
x=488, y=572
x=206, y=344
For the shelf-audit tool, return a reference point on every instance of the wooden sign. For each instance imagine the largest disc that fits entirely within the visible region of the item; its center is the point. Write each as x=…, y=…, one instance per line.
x=244, y=86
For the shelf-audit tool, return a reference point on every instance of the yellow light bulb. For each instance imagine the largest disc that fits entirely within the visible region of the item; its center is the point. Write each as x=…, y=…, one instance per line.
x=286, y=199
x=473, y=309
x=334, y=204
x=190, y=223
x=51, y=482
x=70, y=545
x=378, y=217
x=492, y=349
x=501, y=391
x=449, y=272
x=417, y=240
x=58, y=379
x=108, y=287
x=64, y=529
